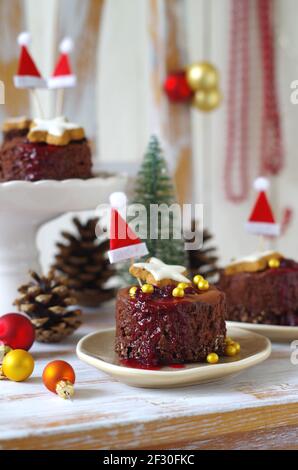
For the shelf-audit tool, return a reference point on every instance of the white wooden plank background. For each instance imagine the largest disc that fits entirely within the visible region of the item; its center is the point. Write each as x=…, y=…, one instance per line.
x=122, y=102
x=29, y=413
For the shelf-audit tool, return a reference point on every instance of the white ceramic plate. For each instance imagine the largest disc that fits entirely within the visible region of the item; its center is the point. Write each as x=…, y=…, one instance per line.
x=97, y=349
x=274, y=332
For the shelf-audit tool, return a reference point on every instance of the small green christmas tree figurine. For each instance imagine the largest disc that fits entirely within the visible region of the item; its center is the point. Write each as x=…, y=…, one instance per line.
x=154, y=186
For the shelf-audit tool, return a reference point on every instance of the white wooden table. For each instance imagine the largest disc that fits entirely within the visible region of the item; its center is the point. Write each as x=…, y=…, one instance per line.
x=256, y=409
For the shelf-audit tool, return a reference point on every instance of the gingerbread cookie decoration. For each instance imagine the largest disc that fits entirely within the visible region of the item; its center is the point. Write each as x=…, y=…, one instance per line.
x=57, y=131
x=17, y=123
x=253, y=263
x=157, y=273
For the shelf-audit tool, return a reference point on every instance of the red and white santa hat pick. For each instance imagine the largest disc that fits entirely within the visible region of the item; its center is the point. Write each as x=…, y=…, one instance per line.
x=124, y=243
x=28, y=75
x=63, y=76
x=261, y=220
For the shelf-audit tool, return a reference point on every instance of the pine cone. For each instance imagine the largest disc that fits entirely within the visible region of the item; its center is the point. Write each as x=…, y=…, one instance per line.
x=83, y=264
x=204, y=260
x=48, y=303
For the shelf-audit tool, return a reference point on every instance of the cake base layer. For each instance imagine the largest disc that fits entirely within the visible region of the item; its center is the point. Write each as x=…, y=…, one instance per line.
x=269, y=296
x=23, y=160
x=156, y=330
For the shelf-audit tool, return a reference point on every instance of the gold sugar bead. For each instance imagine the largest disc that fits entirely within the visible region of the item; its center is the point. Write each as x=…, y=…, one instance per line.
x=237, y=347
x=178, y=292
x=212, y=358
x=183, y=285
x=274, y=263
x=229, y=340
x=198, y=278
x=147, y=288
x=203, y=285
x=132, y=291
x=230, y=350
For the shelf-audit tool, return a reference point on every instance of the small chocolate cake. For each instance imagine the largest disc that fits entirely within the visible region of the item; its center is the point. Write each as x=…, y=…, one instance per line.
x=157, y=328
x=24, y=159
x=269, y=295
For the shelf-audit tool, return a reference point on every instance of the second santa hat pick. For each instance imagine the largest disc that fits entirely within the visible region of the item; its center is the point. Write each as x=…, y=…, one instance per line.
x=63, y=76
x=261, y=220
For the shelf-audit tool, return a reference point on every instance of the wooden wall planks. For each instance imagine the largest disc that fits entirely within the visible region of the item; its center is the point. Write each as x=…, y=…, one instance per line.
x=167, y=33
x=12, y=19
x=117, y=110
x=82, y=21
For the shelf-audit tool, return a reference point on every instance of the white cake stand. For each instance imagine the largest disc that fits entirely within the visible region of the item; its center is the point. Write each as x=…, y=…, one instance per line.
x=25, y=206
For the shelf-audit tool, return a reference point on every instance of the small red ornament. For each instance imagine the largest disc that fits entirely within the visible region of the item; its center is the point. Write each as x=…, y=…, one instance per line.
x=17, y=331
x=59, y=377
x=177, y=88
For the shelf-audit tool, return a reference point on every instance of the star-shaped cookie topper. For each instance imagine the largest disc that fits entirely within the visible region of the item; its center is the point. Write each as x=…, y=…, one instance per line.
x=57, y=131
x=156, y=272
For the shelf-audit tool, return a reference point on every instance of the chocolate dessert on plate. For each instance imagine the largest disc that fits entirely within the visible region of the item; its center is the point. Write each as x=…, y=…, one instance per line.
x=169, y=319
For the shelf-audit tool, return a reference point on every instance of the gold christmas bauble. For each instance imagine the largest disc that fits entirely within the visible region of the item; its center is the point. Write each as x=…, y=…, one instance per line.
x=147, y=288
x=18, y=365
x=212, y=358
x=207, y=100
x=202, y=76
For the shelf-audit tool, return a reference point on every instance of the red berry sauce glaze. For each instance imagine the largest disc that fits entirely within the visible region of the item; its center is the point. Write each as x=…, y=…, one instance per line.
x=269, y=296
x=24, y=160
x=159, y=329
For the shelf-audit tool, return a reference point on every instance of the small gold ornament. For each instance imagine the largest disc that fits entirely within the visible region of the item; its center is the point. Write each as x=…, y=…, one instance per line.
x=183, y=285
x=178, y=292
x=18, y=365
x=147, y=288
x=197, y=278
x=274, y=263
x=237, y=346
x=212, y=358
x=230, y=350
x=202, y=76
x=132, y=291
x=207, y=100
x=203, y=285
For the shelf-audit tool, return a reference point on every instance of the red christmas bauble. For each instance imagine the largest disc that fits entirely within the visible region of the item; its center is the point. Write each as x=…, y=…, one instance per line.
x=17, y=331
x=177, y=88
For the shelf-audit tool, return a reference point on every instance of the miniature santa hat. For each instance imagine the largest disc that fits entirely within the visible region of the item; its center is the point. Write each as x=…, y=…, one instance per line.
x=124, y=243
x=62, y=76
x=261, y=220
x=28, y=75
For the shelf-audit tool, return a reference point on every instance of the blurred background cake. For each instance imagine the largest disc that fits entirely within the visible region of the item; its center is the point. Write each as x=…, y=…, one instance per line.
x=44, y=149
x=262, y=288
